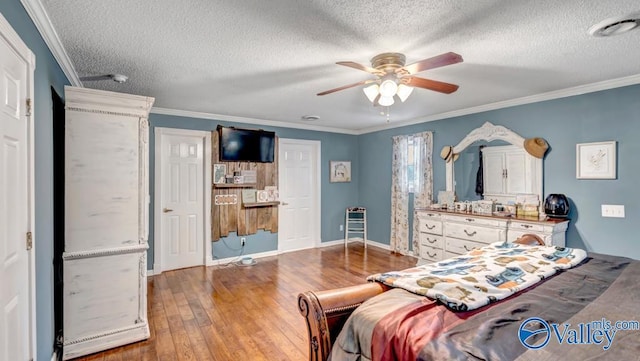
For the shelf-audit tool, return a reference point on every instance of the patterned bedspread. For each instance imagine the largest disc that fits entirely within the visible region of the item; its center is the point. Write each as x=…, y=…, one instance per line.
x=483, y=275
x=400, y=325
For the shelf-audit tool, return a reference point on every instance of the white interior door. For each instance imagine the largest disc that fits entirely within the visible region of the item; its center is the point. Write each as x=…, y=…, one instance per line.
x=182, y=231
x=299, y=179
x=15, y=298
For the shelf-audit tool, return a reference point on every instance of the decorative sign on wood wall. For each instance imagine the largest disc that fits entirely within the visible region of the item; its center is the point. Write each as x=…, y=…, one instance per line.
x=227, y=218
x=225, y=199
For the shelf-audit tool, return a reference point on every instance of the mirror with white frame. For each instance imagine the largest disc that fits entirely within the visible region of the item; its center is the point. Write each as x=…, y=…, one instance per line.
x=499, y=142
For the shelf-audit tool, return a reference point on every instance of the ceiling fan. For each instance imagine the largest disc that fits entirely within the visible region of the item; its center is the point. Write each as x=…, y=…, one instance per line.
x=118, y=78
x=396, y=79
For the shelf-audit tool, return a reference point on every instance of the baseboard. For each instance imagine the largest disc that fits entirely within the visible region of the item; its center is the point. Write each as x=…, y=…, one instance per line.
x=109, y=339
x=357, y=239
x=150, y=272
x=338, y=242
x=331, y=243
x=217, y=262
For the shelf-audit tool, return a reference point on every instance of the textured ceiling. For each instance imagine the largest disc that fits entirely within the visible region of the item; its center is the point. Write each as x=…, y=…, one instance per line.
x=267, y=60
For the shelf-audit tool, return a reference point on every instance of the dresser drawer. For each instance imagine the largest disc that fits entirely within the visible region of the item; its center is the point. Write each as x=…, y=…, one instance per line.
x=461, y=246
x=431, y=240
x=513, y=234
x=528, y=227
x=481, y=221
x=431, y=254
x=475, y=233
x=430, y=225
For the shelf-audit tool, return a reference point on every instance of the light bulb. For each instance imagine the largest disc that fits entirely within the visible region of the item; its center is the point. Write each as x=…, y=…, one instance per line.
x=371, y=92
x=404, y=92
x=386, y=101
x=388, y=88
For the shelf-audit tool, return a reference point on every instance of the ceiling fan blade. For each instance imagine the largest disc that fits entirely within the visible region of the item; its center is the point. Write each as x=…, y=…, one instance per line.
x=96, y=77
x=434, y=85
x=431, y=63
x=346, y=87
x=358, y=66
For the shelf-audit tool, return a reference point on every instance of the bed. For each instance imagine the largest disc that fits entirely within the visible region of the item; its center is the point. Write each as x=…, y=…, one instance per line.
x=580, y=307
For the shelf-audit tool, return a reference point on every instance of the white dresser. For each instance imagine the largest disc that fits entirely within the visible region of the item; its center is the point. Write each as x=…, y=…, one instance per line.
x=447, y=234
x=106, y=220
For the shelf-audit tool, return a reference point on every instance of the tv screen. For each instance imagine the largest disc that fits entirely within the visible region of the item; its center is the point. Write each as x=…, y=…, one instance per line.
x=244, y=145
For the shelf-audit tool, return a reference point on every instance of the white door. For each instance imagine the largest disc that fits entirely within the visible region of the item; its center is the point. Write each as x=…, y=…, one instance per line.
x=15, y=320
x=182, y=201
x=299, y=179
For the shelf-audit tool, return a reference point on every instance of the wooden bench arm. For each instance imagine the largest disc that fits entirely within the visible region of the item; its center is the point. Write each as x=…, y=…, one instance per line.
x=327, y=311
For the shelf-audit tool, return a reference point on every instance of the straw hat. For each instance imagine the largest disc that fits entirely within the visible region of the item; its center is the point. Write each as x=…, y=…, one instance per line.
x=536, y=147
x=446, y=153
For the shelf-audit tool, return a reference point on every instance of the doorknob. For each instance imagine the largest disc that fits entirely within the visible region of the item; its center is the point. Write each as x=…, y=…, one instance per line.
x=284, y=203
x=167, y=210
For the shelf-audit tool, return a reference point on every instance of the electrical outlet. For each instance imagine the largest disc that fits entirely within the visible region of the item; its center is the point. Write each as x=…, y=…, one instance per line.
x=613, y=210
x=341, y=228
x=243, y=240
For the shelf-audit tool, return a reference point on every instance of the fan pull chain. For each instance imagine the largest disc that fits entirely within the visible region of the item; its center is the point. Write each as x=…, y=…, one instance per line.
x=386, y=112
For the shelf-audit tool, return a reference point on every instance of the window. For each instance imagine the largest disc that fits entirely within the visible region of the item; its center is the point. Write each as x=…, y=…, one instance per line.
x=413, y=167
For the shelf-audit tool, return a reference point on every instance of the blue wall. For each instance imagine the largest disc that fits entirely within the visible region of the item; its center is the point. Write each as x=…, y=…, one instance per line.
x=335, y=196
x=47, y=74
x=600, y=116
x=607, y=115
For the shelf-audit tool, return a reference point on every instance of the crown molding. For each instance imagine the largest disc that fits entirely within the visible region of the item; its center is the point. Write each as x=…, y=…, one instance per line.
x=556, y=94
x=255, y=121
x=41, y=19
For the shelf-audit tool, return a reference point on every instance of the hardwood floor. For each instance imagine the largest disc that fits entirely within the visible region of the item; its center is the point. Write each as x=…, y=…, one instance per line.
x=246, y=313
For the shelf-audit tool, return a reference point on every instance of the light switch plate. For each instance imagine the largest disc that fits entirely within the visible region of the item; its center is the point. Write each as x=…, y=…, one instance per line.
x=613, y=210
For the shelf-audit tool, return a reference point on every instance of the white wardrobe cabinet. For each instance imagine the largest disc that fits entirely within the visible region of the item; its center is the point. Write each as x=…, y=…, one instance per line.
x=507, y=171
x=106, y=220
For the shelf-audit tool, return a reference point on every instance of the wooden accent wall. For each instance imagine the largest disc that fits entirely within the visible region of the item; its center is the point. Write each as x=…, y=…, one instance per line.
x=234, y=217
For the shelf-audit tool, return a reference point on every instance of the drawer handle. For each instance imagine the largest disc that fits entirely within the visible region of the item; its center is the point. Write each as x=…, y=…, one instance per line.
x=432, y=227
x=469, y=219
x=470, y=234
x=467, y=248
x=431, y=255
x=431, y=241
x=527, y=226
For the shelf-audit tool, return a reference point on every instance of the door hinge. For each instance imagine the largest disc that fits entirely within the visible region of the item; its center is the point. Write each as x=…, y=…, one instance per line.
x=28, y=107
x=29, y=241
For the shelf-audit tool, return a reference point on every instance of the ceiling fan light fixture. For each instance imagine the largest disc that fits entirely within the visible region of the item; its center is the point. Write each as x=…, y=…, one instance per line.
x=371, y=92
x=386, y=101
x=388, y=88
x=404, y=91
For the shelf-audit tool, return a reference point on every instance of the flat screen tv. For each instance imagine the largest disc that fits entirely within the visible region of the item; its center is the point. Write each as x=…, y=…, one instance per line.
x=245, y=145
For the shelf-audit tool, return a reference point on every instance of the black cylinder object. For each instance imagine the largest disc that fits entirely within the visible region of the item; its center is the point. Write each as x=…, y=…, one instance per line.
x=556, y=205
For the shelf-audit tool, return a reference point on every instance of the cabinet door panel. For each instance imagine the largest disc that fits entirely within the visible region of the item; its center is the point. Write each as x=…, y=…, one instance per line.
x=516, y=173
x=493, y=170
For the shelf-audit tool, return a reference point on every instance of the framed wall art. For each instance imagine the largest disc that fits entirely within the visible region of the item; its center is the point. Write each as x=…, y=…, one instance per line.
x=340, y=171
x=596, y=160
x=219, y=173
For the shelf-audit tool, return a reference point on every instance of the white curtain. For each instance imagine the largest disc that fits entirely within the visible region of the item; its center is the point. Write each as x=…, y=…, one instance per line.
x=399, y=240
x=423, y=192
x=411, y=171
